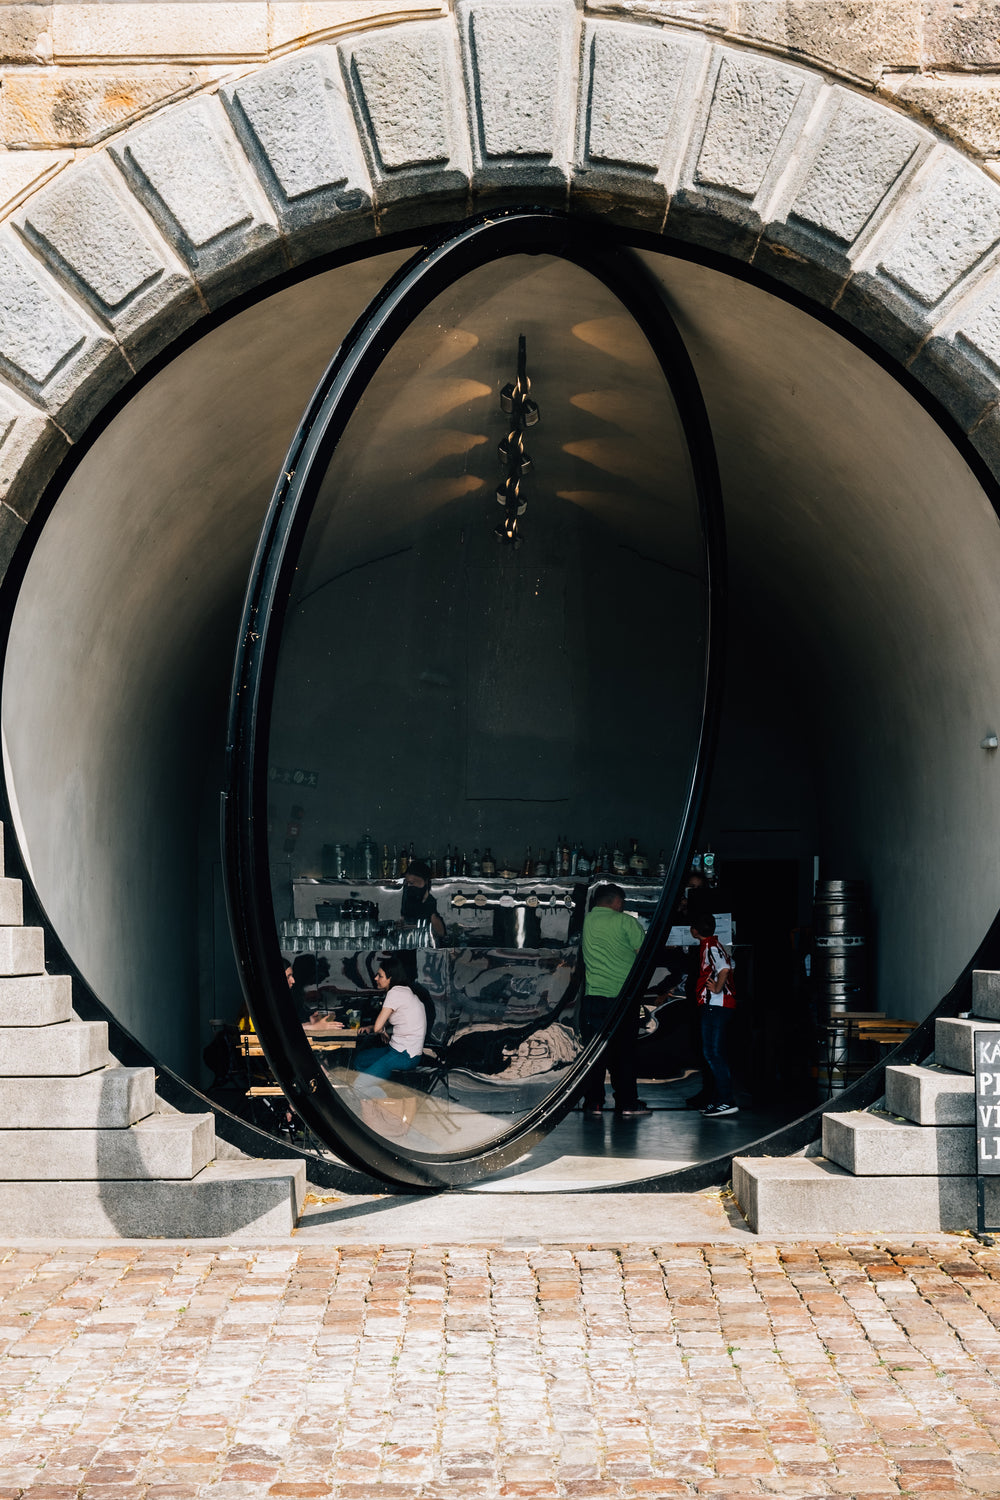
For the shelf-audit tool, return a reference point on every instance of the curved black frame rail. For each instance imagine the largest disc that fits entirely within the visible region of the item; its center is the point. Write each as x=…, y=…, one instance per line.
x=607, y=255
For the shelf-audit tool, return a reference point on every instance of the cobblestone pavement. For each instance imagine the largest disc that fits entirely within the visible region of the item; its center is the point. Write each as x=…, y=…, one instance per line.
x=164, y=1371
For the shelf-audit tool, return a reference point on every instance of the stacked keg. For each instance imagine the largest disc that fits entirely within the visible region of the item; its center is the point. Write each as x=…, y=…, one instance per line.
x=839, y=962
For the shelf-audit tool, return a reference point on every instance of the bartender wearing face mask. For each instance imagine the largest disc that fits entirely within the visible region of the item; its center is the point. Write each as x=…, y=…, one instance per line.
x=418, y=905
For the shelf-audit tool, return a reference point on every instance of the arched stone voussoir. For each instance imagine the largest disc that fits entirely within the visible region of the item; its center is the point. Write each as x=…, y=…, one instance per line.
x=831, y=192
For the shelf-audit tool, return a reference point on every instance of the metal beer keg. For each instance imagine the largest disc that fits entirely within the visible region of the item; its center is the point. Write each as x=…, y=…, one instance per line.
x=840, y=960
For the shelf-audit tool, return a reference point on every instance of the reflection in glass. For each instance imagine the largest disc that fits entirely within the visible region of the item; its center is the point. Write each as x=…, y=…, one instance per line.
x=445, y=704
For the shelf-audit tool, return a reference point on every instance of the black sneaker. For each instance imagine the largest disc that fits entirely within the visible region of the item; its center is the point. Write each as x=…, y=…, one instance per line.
x=716, y=1111
x=696, y=1101
x=640, y=1107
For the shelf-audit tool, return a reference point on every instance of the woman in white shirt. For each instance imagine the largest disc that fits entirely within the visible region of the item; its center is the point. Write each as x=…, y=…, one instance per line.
x=404, y=1015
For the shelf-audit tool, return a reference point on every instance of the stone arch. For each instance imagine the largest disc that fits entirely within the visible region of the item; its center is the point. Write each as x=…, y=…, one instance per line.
x=840, y=197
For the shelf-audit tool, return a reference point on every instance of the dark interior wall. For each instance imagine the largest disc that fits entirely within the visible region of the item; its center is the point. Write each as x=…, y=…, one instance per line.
x=863, y=669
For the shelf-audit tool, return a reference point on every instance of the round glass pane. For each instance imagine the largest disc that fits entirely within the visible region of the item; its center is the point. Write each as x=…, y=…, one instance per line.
x=487, y=697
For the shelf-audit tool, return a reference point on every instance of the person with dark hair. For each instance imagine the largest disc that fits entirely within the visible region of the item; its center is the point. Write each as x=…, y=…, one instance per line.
x=716, y=1002
x=610, y=941
x=417, y=904
x=402, y=1017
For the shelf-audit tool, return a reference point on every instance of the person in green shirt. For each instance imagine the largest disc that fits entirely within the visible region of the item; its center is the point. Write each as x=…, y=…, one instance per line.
x=611, y=939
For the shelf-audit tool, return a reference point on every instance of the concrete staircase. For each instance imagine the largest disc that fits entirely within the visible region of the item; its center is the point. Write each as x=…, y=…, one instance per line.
x=86, y=1148
x=907, y=1165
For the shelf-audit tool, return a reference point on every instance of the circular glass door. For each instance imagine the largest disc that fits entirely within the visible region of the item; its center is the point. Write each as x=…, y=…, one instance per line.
x=477, y=678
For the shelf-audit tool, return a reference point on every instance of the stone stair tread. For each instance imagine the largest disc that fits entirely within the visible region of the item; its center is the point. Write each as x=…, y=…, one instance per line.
x=930, y=1094
x=108, y=1098
x=174, y=1146
x=22, y=950
x=879, y=1145
x=812, y=1195
x=35, y=999
x=986, y=994
x=65, y=1048
x=222, y=1199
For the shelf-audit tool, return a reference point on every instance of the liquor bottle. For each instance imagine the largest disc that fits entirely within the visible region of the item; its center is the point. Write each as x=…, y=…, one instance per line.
x=574, y=858
x=477, y=868
x=661, y=866
x=386, y=866
x=465, y=865
x=602, y=866
x=394, y=869
x=564, y=857
x=489, y=863
x=541, y=865
x=618, y=861
x=410, y=855
x=367, y=857
x=638, y=864
x=403, y=860
x=708, y=866
x=449, y=864
x=434, y=864
x=529, y=864
x=583, y=864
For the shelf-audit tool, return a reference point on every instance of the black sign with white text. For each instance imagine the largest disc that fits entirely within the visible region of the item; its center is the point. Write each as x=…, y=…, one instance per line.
x=987, y=1057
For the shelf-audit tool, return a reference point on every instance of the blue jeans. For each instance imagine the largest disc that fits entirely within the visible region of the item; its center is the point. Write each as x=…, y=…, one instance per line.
x=715, y=1045
x=379, y=1062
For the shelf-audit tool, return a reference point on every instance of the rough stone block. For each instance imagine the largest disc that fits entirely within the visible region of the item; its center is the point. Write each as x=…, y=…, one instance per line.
x=860, y=38
x=297, y=128
x=22, y=950
x=160, y=30
x=405, y=91
x=31, y=448
x=48, y=349
x=712, y=14
x=297, y=21
x=96, y=237
x=67, y=1049
x=930, y=1095
x=960, y=362
x=963, y=35
x=223, y=1199
x=638, y=88
x=110, y=1099
x=750, y=120
x=23, y=172
x=187, y=169
x=173, y=1146
x=953, y=1044
x=877, y=1146
x=11, y=905
x=810, y=1195
x=861, y=155
x=968, y=109
x=80, y=106
x=521, y=70
x=35, y=999
x=986, y=994
x=24, y=33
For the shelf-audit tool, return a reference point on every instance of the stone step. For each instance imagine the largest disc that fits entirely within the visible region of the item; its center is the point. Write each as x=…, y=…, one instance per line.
x=870, y=1145
x=223, y=1199
x=953, y=1044
x=109, y=1099
x=174, y=1146
x=11, y=909
x=35, y=999
x=986, y=994
x=22, y=950
x=64, y=1050
x=810, y=1195
x=930, y=1095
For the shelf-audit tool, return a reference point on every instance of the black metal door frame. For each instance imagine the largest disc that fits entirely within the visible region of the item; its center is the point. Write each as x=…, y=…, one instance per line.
x=607, y=254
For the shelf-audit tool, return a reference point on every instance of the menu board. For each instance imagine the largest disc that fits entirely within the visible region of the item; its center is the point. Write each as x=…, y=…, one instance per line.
x=987, y=1059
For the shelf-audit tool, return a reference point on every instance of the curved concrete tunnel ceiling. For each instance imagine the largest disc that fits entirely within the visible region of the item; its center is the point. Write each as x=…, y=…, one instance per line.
x=863, y=558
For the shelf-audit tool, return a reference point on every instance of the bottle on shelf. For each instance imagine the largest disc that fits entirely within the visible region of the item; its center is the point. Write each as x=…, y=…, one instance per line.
x=477, y=867
x=403, y=860
x=638, y=864
x=602, y=866
x=661, y=866
x=465, y=865
x=410, y=855
x=394, y=867
x=574, y=858
x=708, y=866
x=367, y=857
x=489, y=863
x=386, y=864
x=618, y=861
x=583, y=863
x=449, y=863
x=529, y=864
x=541, y=865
